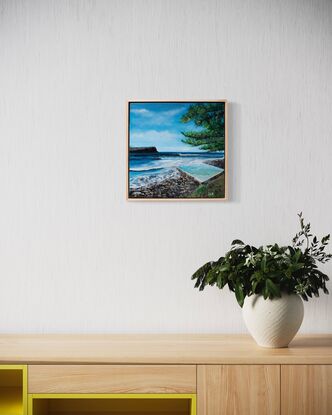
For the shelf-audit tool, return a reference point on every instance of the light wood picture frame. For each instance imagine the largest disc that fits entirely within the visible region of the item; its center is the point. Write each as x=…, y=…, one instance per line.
x=177, y=150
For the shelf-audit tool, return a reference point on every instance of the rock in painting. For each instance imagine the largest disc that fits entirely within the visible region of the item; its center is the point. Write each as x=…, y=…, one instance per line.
x=143, y=150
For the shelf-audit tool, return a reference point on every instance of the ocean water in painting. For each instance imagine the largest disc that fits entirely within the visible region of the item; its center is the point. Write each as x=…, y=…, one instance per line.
x=148, y=169
x=176, y=149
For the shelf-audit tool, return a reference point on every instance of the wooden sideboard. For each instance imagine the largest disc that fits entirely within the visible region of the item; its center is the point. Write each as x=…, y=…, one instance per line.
x=163, y=375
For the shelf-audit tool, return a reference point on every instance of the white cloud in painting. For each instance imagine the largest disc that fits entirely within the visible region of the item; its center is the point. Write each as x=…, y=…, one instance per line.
x=156, y=117
x=142, y=111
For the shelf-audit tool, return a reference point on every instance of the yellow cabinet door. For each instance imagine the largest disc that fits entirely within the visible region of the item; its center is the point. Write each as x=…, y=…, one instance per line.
x=306, y=389
x=13, y=390
x=238, y=390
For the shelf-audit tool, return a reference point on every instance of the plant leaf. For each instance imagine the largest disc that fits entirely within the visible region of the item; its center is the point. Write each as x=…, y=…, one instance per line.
x=237, y=242
x=239, y=294
x=272, y=288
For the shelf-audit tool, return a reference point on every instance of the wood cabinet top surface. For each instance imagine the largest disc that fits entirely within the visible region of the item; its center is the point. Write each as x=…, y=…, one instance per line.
x=159, y=349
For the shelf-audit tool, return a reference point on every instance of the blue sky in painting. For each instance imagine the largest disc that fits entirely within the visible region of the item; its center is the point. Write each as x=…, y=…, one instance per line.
x=158, y=124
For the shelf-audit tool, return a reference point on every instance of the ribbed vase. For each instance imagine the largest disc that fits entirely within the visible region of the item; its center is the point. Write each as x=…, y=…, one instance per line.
x=273, y=323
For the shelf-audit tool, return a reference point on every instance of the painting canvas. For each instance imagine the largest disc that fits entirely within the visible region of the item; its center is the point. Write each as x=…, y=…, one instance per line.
x=177, y=150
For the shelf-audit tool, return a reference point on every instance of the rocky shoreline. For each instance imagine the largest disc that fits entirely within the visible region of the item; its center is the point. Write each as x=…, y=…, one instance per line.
x=216, y=163
x=180, y=186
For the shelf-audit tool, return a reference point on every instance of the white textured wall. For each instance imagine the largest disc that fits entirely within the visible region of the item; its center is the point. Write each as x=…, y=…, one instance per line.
x=74, y=254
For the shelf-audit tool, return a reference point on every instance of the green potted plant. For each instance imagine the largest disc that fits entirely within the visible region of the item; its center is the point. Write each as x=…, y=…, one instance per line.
x=270, y=282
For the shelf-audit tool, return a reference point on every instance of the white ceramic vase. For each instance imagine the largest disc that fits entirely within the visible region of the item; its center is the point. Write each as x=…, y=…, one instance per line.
x=273, y=323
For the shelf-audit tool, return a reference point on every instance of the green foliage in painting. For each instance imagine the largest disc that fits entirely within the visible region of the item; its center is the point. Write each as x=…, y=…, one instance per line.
x=270, y=270
x=211, y=118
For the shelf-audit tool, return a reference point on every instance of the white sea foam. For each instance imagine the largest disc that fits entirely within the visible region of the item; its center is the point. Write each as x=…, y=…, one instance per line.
x=165, y=163
x=142, y=181
x=137, y=169
x=168, y=162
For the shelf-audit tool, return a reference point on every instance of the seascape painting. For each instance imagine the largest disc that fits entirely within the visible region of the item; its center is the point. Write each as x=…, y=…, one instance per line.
x=177, y=150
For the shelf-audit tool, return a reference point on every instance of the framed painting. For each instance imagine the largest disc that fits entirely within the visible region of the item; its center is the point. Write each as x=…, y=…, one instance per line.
x=177, y=150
